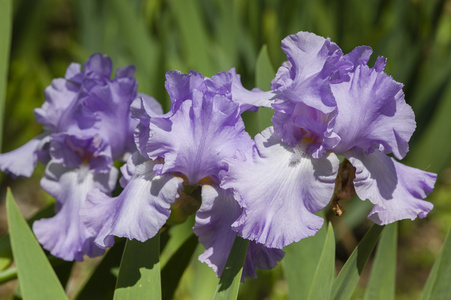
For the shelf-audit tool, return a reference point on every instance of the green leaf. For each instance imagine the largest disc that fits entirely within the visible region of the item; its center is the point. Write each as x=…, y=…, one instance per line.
x=300, y=262
x=6, y=9
x=139, y=275
x=229, y=283
x=36, y=276
x=264, y=70
x=383, y=274
x=5, y=245
x=102, y=282
x=264, y=73
x=322, y=280
x=173, y=270
x=438, y=283
x=346, y=280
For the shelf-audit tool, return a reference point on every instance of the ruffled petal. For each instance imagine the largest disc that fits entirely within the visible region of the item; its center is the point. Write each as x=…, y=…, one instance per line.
x=280, y=187
x=22, y=161
x=142, y=109
x=59, y=97
x=395, y=189
x=137, y=213
x=249, y=99
x=260, y=257
x=71, y=151
x=213, y=227
x=63, y=235
x=372, y=113
x=110, y=104
x=98, y=66
x=202, y=133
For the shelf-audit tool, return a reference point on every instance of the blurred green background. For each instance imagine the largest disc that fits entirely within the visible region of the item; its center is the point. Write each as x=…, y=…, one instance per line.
x=214, y=35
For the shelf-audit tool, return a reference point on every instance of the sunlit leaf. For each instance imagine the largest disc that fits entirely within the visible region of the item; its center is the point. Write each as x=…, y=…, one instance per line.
x=346, y=280
x=173, y=270
x=36, y=276
x=229, y=283
x=102, y=282
x=438, y=284
x=300, y=262
x=322, y=280
x=6, y=9
x=383, y=273
x=139, y=274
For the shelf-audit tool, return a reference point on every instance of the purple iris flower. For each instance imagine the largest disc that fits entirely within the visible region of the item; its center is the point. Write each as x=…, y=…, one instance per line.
x=180, y=154
x=88, y=126
x=327, y=104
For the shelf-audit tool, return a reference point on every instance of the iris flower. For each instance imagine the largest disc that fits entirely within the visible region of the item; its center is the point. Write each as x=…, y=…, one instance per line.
x=179, y=168
x=88, y=126
x=327, y=104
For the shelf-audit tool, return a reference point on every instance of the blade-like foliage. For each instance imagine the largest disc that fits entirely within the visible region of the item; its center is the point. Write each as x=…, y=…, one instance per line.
x=264, y=73
x=438, y=283
x=36, y=276
x=6, y=9
x=229, y=283
x=101, y=284
x=173, y=270
x=139, y=274
x=383, y=274
x=300, y=262
x=325, y=272
x=346, y=280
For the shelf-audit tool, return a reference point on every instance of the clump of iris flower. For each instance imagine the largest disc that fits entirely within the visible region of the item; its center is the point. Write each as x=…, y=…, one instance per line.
x=179, y=167
x=87, y=124
x=327, y=103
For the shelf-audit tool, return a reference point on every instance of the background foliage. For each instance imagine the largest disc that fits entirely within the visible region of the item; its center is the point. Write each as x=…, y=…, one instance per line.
x=214, y=35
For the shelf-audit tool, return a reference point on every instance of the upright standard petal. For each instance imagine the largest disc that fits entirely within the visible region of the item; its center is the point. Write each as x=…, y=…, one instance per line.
x=279, y=188
x=372, y=113
x=201, y=133
x=22, y=161
x=213, y=227
x=63, y=235
x=396, y=190
x=137, y=213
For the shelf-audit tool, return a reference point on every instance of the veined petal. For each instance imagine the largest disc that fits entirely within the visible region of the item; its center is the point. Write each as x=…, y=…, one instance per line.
x=203, y=132
x=279, y=188
x=372, y=113
x=213, y=227
x=260, y=257
x=249, y=99
x=137, y=213
x=63, y=235
x=396, y=190
x=22, y=161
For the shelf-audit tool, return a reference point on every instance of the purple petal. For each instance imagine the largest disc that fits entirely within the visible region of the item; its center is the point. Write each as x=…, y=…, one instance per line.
x=137, y=213
x=111, y=105
x=63, y=235
x=359, y=56
x=395, y=189
x=213, y=227
x=180, y=86
x=22, y=161
x=260, y=257
x=201, y=134
x=372, y=113
x=280, y=187
x=98, y=65
x=249, y=98
x=71, y=151
x=59, y=97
